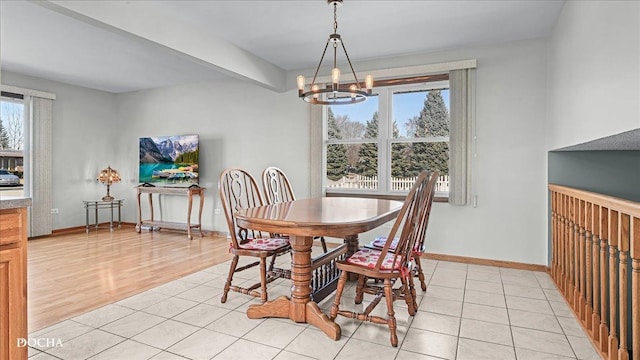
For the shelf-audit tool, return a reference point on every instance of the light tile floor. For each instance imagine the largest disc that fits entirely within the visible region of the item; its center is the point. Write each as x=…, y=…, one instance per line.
x=468, y=312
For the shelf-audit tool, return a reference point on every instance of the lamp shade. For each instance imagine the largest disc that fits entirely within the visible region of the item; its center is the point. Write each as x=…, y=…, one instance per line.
x=108, y=176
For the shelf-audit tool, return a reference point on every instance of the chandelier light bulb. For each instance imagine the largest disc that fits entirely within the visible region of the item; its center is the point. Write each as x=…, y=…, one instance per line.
x=353, y=89
x=300, y=80
x=315, y=88
x=368, y=83
x=335, y=76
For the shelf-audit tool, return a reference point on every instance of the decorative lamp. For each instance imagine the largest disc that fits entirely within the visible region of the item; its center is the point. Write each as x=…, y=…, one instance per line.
x=336, y=94
x=108, y=176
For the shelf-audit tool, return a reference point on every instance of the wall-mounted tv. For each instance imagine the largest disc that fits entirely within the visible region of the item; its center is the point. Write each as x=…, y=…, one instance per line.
x=169, y=160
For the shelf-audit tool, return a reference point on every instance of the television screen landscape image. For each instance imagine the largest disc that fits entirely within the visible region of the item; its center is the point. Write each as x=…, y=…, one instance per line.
x=169, y=160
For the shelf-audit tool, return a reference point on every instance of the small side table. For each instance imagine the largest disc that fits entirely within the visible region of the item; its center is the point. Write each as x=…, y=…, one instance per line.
x=100, y=204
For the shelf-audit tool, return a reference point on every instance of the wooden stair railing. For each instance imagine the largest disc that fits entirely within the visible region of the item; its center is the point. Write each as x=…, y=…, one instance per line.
x=595, y=246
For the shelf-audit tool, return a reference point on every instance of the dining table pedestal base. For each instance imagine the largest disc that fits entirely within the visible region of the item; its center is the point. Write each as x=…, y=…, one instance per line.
x=309, y=312
x=299, y=307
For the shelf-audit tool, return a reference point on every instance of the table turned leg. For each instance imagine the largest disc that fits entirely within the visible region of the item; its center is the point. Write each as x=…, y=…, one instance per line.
x=352, y=248
x=111, y=222
x=190, y=203
x=139, y=225
x=86, y=209
x=299, y=307
x=352, y=244
x=300, y=276
x=96, y=216
x=200, y=211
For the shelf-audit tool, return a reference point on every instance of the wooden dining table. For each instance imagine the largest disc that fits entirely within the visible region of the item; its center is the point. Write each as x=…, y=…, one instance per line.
x=301, y=220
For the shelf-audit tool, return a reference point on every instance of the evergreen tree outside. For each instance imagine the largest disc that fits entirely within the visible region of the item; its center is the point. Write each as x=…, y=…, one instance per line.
x=400, y=155
x=336, y=153
x=4, y=138
x=432, y=121
x=368, y=154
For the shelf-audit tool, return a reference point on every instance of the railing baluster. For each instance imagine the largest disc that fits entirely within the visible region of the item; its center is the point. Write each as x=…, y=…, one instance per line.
x=613, y=285
x=635, y=286
x=554, y=237
x=567, y=249
x=563, y=239
x=573, y=289
x=581, y=261
x=577, y=290
x=604, y=229
x=568, y=280
x=588, y=306
x=595, y=274
x=623, y=247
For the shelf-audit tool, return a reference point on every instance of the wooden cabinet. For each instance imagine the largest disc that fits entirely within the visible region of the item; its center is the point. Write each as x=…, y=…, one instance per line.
x=153, y=223
x=13, y=283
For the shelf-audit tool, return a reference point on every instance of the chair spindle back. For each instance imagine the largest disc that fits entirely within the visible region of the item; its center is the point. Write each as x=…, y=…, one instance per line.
x=239, y=190
x=413, y=218
x=277, y=188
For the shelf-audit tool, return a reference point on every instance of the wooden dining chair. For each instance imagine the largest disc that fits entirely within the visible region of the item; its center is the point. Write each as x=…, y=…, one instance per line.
x=379, y=242
x=277, y=189
x=239, y=190
x=389, y=266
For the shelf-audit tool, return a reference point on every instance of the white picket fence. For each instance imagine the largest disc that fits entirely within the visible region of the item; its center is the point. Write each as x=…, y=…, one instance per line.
x=371, y=183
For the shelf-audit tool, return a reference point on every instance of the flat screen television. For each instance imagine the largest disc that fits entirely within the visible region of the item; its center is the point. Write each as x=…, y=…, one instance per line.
x=169, y=160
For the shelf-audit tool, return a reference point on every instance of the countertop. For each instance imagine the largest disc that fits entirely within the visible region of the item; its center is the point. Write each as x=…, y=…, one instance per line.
x=13, y=202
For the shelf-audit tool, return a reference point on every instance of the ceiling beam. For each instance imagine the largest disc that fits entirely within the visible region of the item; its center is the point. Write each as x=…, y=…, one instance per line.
x=144, y=21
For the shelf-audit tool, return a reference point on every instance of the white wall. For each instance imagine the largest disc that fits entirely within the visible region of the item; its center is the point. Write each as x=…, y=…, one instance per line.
x=239, y=125
x=594, y=72
x=83, y=130
x=509, y=171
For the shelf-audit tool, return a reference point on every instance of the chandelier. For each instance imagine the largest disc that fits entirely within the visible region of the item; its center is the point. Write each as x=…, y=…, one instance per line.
x=336, y=94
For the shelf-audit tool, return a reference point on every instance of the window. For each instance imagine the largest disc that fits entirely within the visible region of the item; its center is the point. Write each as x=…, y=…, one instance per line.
x=12, y=141
x=37, y=114
x=381, y=145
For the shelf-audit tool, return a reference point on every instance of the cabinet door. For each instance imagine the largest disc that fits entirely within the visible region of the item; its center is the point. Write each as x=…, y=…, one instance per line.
x=12, y=302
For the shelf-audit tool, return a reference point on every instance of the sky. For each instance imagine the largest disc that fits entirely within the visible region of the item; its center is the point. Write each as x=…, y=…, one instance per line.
x=406, y=106
x=9, y=109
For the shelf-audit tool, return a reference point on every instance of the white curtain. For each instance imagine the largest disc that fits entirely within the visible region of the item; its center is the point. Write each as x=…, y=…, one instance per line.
x=460, y=137
x=38, y=162
x=316, y=136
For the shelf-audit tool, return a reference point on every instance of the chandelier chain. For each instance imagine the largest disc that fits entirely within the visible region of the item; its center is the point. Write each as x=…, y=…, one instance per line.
x=335, y=17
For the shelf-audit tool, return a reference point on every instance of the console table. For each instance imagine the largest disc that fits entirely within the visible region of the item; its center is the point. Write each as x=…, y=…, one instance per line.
x=100, y=204
x=188, y=192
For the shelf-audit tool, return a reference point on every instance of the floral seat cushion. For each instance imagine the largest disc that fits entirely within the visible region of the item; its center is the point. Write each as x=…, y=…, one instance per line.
x=266, y=244
x=379, y=242
x=369, y=257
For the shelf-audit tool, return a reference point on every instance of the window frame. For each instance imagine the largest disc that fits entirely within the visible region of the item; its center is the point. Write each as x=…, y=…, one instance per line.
x=385, y=115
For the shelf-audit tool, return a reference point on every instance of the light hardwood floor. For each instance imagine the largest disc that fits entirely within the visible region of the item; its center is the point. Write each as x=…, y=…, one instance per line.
x=72, y=274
